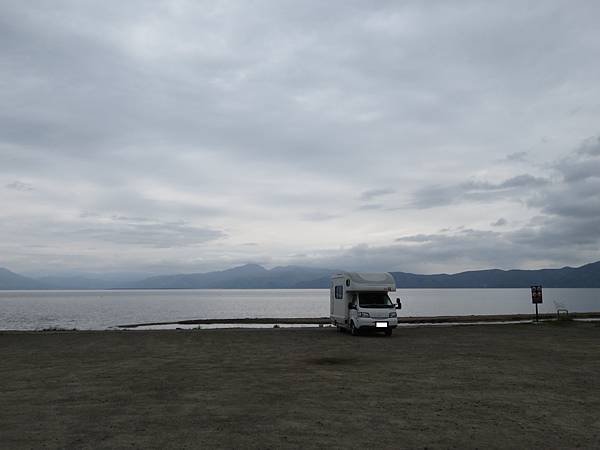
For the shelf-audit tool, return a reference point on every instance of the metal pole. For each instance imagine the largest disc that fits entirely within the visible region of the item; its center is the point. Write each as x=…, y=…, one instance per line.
x=536, y=313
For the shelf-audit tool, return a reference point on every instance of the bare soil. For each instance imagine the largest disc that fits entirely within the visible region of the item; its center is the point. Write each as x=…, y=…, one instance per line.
x=479, y=386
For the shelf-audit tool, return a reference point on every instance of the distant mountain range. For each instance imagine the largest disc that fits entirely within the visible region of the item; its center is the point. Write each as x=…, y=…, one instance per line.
x=11, y=280
x=587, y=276
x=249, y=276
x=254, y=276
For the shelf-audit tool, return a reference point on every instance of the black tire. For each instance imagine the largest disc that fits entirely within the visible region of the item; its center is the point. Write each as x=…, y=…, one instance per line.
x=388, y=332
x=353, y=330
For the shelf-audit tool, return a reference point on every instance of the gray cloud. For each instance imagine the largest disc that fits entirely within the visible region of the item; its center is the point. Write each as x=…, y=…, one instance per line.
x=566, y=232
x=516, y=157
x=580, y=170
x=590, y=146
x=19, y=186
x=374, y=193
x=95, y=229
x=499, y=223
x=417, y=238
x=218, y=125
x=370, y=206
x=581, y=164
x=520, y=181
x=318, y=216
x=427, y=253
x=549, y=245
x=580, y=201
x=158, y=235
x=516, y=187
x=573, y=205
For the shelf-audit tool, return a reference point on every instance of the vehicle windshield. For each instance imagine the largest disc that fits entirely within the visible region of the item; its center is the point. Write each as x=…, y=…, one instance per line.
x=374, y=300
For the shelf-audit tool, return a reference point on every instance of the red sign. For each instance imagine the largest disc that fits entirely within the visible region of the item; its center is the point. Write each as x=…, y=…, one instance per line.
x=536, y=294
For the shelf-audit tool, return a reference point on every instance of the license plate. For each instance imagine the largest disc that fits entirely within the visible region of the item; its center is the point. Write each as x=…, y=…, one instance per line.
x=381, y=324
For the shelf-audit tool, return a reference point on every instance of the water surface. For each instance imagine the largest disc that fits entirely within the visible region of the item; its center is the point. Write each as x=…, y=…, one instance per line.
x=31, y=310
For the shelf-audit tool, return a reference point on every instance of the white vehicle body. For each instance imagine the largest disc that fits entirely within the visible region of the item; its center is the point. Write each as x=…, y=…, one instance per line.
x=360, y=301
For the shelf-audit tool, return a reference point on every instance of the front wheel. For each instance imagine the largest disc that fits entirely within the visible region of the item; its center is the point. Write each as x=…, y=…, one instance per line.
x=388, y=332
x=353, y=329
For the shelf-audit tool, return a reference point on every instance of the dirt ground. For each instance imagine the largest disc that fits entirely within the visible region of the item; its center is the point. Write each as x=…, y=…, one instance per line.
x=486, y=386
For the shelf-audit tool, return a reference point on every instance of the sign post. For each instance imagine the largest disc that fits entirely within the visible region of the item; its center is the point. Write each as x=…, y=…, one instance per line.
x=536, y=299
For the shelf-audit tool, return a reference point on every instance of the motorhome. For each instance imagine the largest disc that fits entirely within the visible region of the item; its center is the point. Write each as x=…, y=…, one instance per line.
x=361, y=301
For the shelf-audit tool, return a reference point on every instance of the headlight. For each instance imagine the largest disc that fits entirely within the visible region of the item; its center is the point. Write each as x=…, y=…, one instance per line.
x=393, y=314
x=364, y=314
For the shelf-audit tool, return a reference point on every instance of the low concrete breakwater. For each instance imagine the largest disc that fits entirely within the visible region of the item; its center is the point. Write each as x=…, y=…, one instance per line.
x=401, y=320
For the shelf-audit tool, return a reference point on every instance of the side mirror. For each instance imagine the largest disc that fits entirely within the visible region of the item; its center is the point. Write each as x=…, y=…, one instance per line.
x=398, y=304
x=351, y=306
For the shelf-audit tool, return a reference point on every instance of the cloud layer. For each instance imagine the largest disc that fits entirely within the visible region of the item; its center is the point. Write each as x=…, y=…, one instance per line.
x=182, y=135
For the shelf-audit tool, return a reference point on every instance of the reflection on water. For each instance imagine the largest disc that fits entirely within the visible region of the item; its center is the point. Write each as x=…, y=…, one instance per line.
x=30, y=310
x=459, y=302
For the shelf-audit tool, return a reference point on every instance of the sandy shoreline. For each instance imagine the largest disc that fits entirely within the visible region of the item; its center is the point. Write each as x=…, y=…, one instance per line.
x=478, y=386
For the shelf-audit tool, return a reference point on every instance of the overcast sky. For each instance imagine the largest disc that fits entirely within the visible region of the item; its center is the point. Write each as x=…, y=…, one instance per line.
x=189, y=136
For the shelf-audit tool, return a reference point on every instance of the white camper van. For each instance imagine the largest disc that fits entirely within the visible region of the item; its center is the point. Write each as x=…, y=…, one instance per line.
x=360, y=301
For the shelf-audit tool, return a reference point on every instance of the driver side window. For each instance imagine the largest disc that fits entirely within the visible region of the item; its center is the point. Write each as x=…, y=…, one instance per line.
x=339, y=292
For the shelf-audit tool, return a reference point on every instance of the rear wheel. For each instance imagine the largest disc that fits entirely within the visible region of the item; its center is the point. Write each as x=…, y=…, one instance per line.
x=353, y=329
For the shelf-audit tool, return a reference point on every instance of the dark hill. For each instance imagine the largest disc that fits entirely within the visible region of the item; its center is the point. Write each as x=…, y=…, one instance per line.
x=11, y=280
x=587, y=276
x=249, y=276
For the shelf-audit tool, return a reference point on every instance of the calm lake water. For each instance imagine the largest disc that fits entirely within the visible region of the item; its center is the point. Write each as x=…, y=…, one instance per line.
x=84, y=310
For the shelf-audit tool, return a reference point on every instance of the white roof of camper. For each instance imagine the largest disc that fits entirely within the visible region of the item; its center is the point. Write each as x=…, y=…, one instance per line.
x=361, y=281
